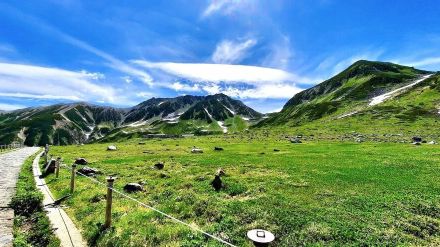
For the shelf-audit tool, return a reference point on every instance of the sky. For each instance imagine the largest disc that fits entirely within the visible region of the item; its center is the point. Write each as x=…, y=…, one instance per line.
x=120, y=53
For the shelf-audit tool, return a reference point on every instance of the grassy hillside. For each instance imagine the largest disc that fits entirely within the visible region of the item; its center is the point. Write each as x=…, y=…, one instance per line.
x=340, y=106
x=414, y=112
x=310, y=194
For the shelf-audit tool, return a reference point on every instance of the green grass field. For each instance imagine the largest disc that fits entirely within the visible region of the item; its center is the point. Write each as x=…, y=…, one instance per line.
x=310, y=194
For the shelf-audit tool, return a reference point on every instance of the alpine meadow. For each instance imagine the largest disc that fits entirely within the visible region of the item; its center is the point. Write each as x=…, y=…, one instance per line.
x=219, y=123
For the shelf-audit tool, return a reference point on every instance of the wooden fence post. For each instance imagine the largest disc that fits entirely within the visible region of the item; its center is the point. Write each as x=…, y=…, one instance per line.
x=57, y=167
x=72, y=179
x=108, y=209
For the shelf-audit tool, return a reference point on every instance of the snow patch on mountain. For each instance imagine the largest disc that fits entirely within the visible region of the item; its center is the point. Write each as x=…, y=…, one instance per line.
x=210, y=116
x=222, y=125
x=381, y=98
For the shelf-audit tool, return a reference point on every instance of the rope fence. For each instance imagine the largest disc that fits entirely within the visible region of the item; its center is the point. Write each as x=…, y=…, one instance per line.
x=72, y=169
x=5, y=147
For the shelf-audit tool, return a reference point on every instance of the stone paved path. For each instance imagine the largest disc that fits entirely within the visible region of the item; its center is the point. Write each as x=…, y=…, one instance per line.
x=10, y=164
x=64, y=227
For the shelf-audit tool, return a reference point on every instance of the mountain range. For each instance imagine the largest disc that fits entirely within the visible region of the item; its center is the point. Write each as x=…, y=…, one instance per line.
x=82, y=122
x=368, y=97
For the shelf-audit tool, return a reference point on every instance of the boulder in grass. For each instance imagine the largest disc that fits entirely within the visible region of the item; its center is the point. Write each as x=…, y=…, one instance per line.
x=133, y=187
x=295, y=140
x=111, y=148
x=81, y=161
x=88, y=171
x=50, y=167
x=217, y=183
x=159, y=165
x=417, y=139
x=218, y=149
x=196, y=151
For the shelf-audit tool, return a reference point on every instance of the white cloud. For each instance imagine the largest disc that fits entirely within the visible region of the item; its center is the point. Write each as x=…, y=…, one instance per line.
x=29, y=81
x=239, y=81
x=221, y=72
x=272, y=90
x=184, y=87
x=229, y=51
x=225, y=7
x=10, y=107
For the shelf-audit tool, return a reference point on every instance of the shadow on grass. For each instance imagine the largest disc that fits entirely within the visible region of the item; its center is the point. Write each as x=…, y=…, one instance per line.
x=97, y=232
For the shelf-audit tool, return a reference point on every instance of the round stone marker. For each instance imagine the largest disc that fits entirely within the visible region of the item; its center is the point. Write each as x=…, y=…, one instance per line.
x=260, y=237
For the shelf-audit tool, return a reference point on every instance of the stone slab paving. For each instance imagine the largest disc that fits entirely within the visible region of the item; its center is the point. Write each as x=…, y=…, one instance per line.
x=64, y=227
x=10, y=165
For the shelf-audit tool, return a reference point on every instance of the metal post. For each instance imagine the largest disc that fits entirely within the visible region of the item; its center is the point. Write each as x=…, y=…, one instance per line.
x=72, y=179
x=57, y=167
x=108, y=209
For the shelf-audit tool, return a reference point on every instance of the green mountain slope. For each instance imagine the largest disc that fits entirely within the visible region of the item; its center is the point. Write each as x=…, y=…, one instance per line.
x=374, y=98
x=62, y=123
x=347, y=91
x=81, y=122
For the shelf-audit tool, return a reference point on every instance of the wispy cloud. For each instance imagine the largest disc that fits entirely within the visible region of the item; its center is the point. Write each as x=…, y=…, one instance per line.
x=423, y=62
x=334, y=64
x=29, y=81
x=280, y=53
x=225, y=7
x=112, y=62
x=228, y=51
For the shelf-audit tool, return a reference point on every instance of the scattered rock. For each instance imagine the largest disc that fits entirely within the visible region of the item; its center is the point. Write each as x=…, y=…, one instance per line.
x=218, y=149
x=416, y=139
x=133, y=187
x=159, y=165
x=81, y=161
x=217, y=183
x=196, y=151
x=220, y=172
x=88, y=171
x=50, y=166
x=359, y=140
x=295, y=140
x=432, y=142
x=111, y=148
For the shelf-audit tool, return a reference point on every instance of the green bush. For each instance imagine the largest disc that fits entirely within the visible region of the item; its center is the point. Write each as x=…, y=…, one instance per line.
x=27, y=203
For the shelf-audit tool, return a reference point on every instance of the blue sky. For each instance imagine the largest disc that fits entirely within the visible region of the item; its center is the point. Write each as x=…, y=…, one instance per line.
x=120, y=53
